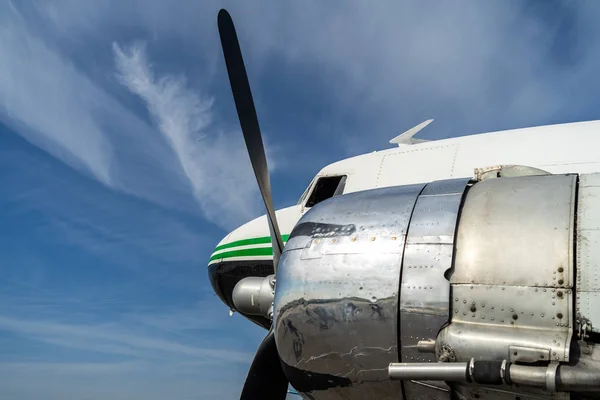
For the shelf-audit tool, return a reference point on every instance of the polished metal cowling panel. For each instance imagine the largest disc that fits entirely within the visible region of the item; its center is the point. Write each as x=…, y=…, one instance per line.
x=425, y=291
x=336, y=301
x=518, y=231
x=512, y=283
x=588, y=251
x=516, y=323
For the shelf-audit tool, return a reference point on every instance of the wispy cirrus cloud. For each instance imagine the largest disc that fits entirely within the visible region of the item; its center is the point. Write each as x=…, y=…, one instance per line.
x=49, y=101
x=118, y=380
x=180, y=159
x=122, y=340
x=215, y=163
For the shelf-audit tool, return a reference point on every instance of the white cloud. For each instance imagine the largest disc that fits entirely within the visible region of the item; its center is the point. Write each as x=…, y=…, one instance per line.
x=49, y=102
x=216, y=164
x=118, y=340
x=118, y=380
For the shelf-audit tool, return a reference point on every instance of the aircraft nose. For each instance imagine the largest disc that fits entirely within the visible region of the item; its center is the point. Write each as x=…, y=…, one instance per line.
x=247, y=251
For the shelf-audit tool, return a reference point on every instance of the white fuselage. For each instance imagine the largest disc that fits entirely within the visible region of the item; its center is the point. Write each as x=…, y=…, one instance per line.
x=565, y=148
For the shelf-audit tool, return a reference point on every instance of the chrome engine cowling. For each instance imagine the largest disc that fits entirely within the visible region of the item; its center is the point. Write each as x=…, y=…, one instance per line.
x=458, y=272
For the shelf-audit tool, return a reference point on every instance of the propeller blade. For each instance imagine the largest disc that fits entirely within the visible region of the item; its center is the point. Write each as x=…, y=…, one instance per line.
x=265, y=379
x=244, y=104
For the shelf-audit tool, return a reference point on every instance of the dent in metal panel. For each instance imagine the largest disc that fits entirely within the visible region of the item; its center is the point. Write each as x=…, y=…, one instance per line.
x=517, y=231
x=336, y=301
x=588, y=250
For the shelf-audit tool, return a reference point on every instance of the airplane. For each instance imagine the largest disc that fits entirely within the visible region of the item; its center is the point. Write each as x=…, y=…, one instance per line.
x=457, y=268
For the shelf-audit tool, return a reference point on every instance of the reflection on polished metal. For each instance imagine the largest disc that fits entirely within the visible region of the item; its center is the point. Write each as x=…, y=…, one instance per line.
x=425, y=291
x=372, y=278
x=517, y=282
x=453, y=372
x=254, y=295
x=336, y=304
x=517, y=232
x=581, y=377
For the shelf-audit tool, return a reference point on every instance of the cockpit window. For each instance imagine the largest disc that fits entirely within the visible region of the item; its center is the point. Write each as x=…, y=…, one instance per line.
x=326, y=187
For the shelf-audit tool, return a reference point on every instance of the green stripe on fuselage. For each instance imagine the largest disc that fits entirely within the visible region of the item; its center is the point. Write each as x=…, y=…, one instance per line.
x=258, y=251
x=247, y=242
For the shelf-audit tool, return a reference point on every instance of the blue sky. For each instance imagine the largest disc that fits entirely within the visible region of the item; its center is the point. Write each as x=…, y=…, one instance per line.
x=122, y=164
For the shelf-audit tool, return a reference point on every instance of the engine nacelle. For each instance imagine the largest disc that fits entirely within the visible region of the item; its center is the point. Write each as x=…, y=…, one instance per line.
x=452, y=272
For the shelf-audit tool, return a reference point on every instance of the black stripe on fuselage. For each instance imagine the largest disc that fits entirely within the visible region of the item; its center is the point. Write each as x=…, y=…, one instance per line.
x=224, y=275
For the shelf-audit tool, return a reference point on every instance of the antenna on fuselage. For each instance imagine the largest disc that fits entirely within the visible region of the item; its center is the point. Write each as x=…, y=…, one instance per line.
x=406, y=138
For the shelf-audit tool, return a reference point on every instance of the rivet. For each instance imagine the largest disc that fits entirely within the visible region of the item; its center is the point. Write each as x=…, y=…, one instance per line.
x=536, y=290
x=492, y=318
x=559, y=294
x=532, y=314
x=559, y=315
x=512, y=322
x=464, y=313
x=560, y=269
x=464, y=302
x=483, y=305
x=483, y=317
x=544, y=290
x=456, y=311
x=502, y=321
x=456, y=299
x=542, y=315
x=473, y=315
x=492, y=307
x=560, y=281
x=511, y=310
x=515, y=316
x=472, y=304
